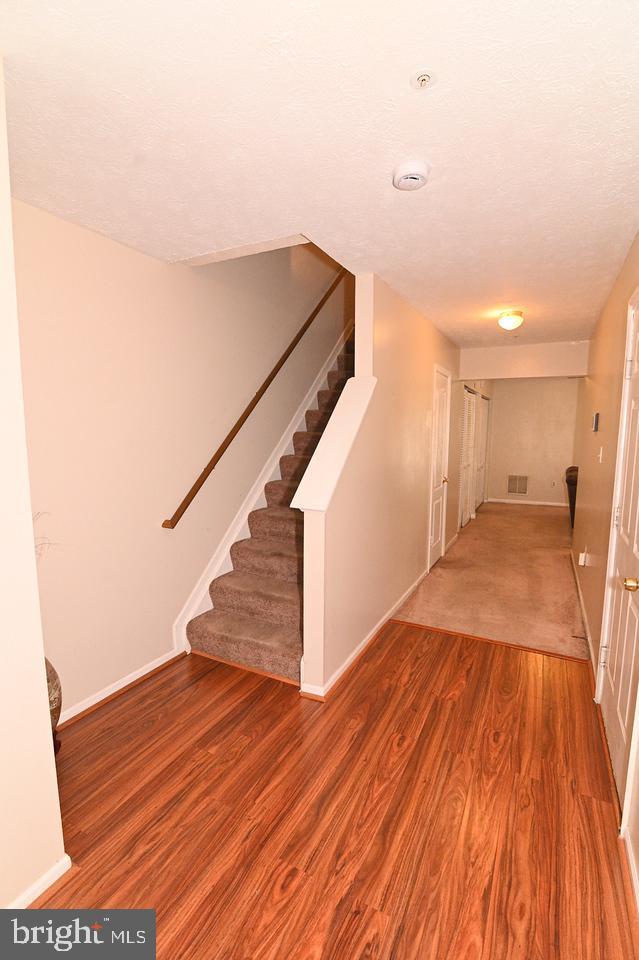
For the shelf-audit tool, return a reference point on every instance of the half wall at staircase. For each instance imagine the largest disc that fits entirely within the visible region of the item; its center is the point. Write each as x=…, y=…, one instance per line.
x=134, y=371
x=365, y=494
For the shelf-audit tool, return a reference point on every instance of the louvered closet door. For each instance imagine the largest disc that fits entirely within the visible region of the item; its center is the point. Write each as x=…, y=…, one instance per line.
x=466, y=468
x=481, y=443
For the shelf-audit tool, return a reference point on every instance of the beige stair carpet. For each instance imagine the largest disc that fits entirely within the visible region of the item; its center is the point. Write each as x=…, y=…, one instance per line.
x=508, y=577
x=256, y=617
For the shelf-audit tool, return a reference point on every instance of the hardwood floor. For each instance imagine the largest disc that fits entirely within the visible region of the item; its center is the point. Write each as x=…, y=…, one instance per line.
x=450, y=801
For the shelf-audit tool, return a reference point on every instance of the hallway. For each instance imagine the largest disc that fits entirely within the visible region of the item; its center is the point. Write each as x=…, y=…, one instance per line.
x=450, y=800
x=508, y=577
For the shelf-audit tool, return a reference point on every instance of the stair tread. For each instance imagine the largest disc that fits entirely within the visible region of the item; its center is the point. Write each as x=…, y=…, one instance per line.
x=274, y=648
x=264, y=586
x=283, y=548
x=282, y=484
x=278, y=513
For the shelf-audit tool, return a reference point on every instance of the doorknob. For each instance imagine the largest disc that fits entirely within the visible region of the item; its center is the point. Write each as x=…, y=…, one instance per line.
x=631, y=583
x=444, y=479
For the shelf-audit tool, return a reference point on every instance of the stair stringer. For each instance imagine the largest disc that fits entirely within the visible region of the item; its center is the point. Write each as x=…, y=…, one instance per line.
x=199, y=600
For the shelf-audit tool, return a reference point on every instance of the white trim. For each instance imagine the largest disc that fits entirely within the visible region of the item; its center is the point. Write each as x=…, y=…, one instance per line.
x=438, y=369
x=317, y=486
x=453, y=540
x=622, y=439
x=248, y=249
x=321, y=691
x=532, y=503
x=26, y=898
x=584, y=615
x=199, y=600
x=625, y=838
x=117, y=685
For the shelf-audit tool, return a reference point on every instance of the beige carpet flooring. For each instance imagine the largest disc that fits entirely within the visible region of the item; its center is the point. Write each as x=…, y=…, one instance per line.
x=508, y=577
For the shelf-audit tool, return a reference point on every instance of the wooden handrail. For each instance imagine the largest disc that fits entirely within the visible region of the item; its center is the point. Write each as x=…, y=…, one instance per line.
x=239, y=423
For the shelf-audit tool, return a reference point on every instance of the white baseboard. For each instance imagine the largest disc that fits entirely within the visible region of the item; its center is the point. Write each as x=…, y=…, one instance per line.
x=199, y=600
x=117, y=685
x=632, y=863
x=321, y=691
x=531, y=503
x=584, y=615
x=37, y=888
x=451, y=542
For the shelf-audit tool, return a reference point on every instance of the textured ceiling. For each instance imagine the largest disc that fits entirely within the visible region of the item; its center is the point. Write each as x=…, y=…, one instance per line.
x=181, y=128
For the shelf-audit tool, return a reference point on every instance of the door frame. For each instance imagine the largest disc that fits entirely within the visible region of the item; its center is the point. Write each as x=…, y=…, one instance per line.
x=622, y=443
x=437, y=368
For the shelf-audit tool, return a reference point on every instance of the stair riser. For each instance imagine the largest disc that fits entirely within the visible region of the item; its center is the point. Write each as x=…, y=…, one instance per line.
x=336, y=379
x=272, y=610
x=244, y=652
x=275, y=565
x=346, y=363
x=327, y=399
x=268, y=528
x=278, y=495
x=316, y=420
x=292, y=468
x=304, y=443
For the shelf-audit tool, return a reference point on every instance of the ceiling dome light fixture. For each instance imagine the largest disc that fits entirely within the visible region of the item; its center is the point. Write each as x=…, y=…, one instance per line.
x=510, y=319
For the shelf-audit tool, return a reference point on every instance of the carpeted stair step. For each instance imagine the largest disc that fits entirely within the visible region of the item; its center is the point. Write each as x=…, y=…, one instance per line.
x=316, y=420
x=304, y=443
x=278, y=559
x=279, y=493
x=327, y=399
x=349, y=346
x=292, y=467
x=336, y=379
x=273, y=648
x=346, y=363
x=275, y=601
x=276, y=523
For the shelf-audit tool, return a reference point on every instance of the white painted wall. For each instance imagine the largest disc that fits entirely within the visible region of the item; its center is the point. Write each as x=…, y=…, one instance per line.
x=369, y=515
x=532, y=429
x=134, y=371
x=566, y=359
x=31, y=847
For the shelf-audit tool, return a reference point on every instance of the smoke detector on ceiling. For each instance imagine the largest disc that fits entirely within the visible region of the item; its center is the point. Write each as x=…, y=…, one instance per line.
x=422, y=79
x=411, y=175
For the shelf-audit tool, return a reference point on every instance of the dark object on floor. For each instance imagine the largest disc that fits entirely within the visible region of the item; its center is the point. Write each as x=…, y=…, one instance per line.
x=55, y=700
x=572, y=475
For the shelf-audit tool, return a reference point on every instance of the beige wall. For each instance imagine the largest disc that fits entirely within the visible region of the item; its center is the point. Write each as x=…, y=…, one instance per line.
x=564, y=359
x=531, y=433
x=30, y=829
x=377, y=522
x=600, y=392
x=134, y=371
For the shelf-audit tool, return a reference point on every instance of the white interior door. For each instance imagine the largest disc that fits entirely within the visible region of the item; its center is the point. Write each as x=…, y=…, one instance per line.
x=481, y=444
x=439, y=473
x=466, y=471
x=622, y=667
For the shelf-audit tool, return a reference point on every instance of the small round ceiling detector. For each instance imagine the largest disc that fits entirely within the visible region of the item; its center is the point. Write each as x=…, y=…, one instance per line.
x=411, y=175
x=422, y=79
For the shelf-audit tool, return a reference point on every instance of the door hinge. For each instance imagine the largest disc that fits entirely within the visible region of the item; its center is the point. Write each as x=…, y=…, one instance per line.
x=617, y=517
x=628, y=368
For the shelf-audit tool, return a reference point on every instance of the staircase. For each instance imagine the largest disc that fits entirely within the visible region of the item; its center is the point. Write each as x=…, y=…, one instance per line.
x=256, y=620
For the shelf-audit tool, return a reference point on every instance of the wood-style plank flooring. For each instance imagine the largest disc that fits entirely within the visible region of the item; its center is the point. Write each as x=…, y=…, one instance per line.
x=451, y=801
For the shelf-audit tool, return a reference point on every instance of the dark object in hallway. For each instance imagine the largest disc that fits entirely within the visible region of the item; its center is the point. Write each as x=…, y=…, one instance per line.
x=450, y=799
x=572, y=475
x=54, y=688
